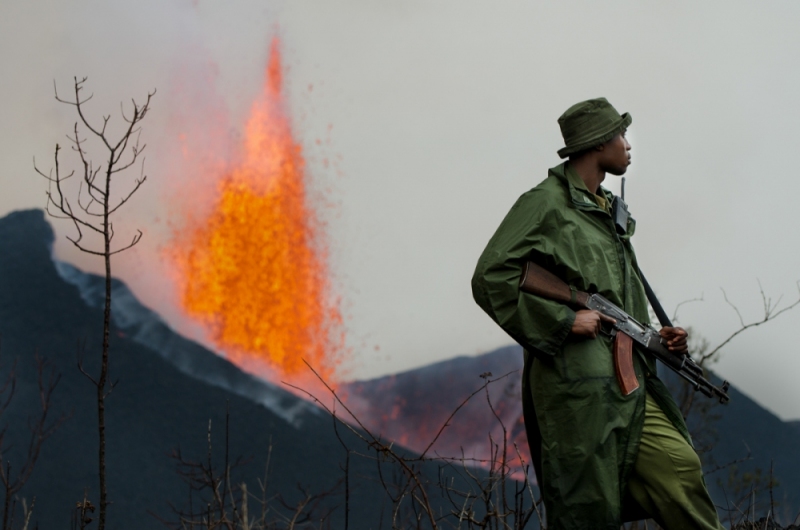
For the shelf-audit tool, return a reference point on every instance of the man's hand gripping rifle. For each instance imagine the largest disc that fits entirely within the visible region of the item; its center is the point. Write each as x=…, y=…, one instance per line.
x=537, y=280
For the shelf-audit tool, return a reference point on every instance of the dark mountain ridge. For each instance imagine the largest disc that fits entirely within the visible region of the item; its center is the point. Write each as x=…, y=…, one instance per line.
x=155, y=408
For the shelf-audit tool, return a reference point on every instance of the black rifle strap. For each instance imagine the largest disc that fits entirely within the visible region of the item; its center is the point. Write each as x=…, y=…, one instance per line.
x=654, y=303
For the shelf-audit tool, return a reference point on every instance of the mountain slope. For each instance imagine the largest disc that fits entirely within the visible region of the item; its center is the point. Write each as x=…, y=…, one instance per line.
x=424, y=398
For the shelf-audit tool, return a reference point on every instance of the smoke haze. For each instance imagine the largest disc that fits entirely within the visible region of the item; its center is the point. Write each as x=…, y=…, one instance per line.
x=442, y=114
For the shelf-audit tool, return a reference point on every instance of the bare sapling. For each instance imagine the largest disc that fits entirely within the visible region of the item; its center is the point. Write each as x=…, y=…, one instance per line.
x=90, y=208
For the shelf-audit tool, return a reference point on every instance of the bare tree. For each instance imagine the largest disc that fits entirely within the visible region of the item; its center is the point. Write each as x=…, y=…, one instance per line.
x=41, y=427
x=90, y=210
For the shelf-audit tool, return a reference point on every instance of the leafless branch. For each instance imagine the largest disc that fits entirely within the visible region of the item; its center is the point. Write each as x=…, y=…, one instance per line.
x=771, y=312
x=40, y=427
x=684, y=302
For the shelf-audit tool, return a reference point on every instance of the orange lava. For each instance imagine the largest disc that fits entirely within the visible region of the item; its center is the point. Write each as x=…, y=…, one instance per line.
x=255, y=270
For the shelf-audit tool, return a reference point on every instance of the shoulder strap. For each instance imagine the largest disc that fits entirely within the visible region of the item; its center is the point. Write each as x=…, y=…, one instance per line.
x=654, y=303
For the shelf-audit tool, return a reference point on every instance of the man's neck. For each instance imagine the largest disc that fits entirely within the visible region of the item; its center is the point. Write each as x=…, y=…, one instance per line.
x=591, y=175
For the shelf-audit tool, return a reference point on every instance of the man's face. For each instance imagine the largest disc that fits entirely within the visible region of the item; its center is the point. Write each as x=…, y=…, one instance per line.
x=616, y=157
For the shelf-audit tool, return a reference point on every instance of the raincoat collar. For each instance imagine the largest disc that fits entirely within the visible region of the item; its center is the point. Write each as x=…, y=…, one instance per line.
x=582, y=198
x=580, y=195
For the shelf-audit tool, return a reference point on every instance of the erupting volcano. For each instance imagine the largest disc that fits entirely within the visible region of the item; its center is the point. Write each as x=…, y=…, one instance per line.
x=254, y=270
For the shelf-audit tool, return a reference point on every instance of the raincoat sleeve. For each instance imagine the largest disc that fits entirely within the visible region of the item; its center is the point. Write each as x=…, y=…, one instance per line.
x=527, y=232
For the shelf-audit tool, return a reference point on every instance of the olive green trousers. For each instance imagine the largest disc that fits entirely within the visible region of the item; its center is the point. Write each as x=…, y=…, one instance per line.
x=667, y=478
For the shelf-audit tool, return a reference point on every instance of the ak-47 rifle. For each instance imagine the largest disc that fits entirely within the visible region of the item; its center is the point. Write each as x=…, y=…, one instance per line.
x=541, y=282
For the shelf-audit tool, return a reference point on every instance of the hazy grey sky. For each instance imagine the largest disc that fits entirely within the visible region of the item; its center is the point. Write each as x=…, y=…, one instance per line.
x=442, y=113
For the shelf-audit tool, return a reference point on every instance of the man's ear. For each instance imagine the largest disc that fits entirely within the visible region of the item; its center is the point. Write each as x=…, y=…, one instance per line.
x=600, y=147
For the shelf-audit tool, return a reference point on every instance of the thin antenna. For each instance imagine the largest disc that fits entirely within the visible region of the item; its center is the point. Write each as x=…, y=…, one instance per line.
x=622, y=190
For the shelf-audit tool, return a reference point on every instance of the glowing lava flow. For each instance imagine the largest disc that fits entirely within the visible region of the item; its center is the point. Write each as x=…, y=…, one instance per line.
x=255, y=270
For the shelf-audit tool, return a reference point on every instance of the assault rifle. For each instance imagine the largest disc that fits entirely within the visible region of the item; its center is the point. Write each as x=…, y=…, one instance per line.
x=541, y=282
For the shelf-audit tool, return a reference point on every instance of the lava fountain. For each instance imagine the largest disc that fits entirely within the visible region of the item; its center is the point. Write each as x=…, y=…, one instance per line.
x=255, y=270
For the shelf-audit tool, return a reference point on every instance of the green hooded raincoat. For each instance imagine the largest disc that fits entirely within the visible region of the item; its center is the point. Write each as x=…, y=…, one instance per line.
x=583, y=433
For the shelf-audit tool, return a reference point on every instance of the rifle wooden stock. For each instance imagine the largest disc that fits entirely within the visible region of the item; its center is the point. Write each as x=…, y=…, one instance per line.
x=541, y=282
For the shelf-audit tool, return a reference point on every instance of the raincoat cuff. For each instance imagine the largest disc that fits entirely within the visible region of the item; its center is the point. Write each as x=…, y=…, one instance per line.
x=559, y=335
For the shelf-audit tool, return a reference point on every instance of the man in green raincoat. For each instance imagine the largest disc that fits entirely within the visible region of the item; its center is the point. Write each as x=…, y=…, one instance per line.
x=600, y=457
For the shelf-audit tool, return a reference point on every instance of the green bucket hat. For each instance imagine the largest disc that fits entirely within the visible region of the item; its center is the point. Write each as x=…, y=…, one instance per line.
x=590, y=123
